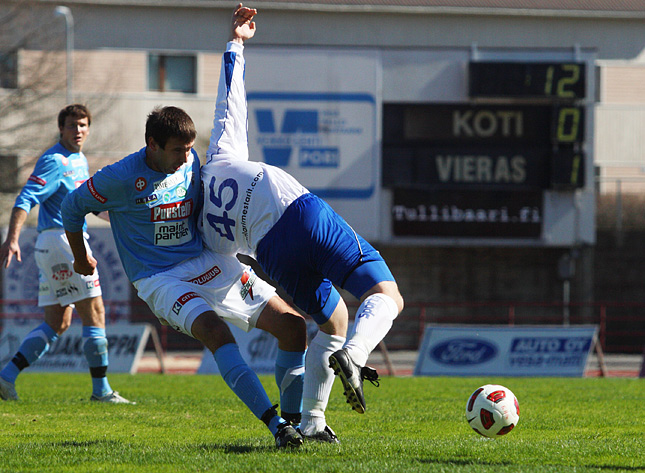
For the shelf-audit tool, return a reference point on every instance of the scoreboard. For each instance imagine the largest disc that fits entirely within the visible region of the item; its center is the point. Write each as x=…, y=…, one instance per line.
x=507, y=161
x=553, y=80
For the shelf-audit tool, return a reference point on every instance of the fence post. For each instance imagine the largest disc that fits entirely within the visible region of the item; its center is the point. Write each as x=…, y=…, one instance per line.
x=603, y=325
x=422, y=324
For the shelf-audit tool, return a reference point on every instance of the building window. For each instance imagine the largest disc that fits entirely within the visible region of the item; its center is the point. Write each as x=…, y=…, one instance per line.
x=8, y=70
x=168, y=73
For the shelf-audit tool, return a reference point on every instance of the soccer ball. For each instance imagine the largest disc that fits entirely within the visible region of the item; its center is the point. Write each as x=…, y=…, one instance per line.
x=492, y=411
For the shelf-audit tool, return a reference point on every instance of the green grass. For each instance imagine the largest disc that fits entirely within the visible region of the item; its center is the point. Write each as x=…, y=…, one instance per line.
x=195, y=424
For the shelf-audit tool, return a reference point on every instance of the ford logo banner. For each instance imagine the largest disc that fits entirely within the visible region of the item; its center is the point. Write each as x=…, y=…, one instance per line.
x=503, y=350
x=463, y=351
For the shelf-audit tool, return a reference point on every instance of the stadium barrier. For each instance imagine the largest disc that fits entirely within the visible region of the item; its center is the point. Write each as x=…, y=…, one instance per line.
x=621, y=324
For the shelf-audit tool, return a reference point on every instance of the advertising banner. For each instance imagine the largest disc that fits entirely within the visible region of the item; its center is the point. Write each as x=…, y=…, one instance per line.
x=322, y=130
x=444, y=213
x=20, y=279
x=126, y=343
x=505, y=350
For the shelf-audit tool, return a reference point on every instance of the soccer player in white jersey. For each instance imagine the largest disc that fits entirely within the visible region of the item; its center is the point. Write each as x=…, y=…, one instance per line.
x=300, y=242
x=152, y=197
x=61, y=169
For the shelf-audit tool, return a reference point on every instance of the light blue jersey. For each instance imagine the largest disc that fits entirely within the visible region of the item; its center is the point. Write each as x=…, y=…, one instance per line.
x=57, y=173
x=152, y=214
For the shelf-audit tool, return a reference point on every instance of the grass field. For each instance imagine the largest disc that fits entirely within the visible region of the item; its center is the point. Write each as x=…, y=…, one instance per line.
x=195, y=424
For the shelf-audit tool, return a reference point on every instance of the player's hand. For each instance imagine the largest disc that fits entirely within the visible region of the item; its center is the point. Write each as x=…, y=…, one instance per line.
x=243, y=27
x=85, y=267
x=7, y=250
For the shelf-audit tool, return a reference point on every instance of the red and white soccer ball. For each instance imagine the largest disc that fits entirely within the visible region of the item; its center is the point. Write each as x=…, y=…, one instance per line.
x=492, y=411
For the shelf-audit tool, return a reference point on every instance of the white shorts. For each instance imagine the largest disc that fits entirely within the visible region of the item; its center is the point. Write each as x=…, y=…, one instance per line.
x=58, y=283
x=210, y=281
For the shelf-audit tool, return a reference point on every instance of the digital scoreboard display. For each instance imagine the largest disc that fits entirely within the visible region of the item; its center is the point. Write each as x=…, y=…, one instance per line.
x=552, y=80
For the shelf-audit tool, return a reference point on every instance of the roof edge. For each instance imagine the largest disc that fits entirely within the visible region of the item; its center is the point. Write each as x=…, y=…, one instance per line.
x=335, y=8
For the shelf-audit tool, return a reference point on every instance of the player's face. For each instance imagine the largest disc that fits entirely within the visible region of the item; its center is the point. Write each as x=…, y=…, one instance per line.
x=170, y=158
x=74, y=133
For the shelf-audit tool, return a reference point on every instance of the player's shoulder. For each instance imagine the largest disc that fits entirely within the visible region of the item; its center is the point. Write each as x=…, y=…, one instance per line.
x=132, y=164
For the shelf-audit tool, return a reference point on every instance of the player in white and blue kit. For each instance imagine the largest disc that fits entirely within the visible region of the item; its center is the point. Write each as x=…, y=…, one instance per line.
x=152, y=197
x=59, y=171
x=300, y=242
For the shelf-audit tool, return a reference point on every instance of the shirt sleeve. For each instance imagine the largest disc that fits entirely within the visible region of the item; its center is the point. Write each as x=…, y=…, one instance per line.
x=229, y=137
x=101, y=192
x=41, y=184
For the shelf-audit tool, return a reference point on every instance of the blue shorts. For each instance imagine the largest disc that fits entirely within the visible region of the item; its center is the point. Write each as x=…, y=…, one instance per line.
x=310, y=248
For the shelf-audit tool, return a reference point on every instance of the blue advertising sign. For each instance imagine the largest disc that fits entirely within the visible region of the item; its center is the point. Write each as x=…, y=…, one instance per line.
x=505, y=350
x=325, y=139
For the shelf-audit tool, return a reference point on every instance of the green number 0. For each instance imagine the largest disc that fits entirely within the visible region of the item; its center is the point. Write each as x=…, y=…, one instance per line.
x=568, y=124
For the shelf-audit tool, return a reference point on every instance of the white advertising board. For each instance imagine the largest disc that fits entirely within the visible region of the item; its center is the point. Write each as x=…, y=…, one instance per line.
x=126, y=343
x=257, y=347
x=322, y=130
x=20, y=279
x=505, y=350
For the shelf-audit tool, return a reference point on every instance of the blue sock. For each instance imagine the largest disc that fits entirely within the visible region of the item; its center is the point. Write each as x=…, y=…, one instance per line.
x=35, y=345
x=95, y=347
x=245, y=383
x=289, y=376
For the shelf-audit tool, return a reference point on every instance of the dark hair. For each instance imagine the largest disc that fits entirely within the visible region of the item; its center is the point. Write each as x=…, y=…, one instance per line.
x=77, y=111
x=170, y=122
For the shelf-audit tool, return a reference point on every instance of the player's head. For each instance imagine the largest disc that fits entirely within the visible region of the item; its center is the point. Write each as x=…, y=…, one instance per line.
x=74, y=126
x=169, y=122
x=170, y=136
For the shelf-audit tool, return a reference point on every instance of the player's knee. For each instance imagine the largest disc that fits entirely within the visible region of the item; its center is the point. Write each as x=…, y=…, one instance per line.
x=212, y=331
x=398, y=298
x=60, y=326
x=292, y=331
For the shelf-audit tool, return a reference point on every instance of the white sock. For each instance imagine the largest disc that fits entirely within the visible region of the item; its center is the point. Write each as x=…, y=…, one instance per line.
x=374, y=319
x=319, y=379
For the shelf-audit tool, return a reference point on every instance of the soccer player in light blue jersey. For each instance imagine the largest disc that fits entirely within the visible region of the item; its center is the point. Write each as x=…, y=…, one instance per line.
x=152, y=197
x=300, y=242
x=58, y=171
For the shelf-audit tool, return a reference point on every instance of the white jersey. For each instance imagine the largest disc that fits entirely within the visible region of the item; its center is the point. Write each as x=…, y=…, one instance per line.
x=242, y=199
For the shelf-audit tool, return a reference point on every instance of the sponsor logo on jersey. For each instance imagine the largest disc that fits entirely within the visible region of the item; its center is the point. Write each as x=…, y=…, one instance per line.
x=78, y=184
x=170, y=181
x=92, y=284
x=37, y=180
x=61, y=272
x=172, y=234
x=166, y=197
x=181, y=301
x=94, y=192
x=206, y=277
x=64, y=160
x=180, y=191
x=140, y=184
x=68, y=173
x=173, y=211
x=61, y=292
x=78, y=162
x=147, y=199
x=247, y=280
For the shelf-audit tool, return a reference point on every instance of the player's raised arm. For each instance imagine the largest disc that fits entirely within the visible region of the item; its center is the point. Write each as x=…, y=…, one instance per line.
x=229, y=138
x=243, y=26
